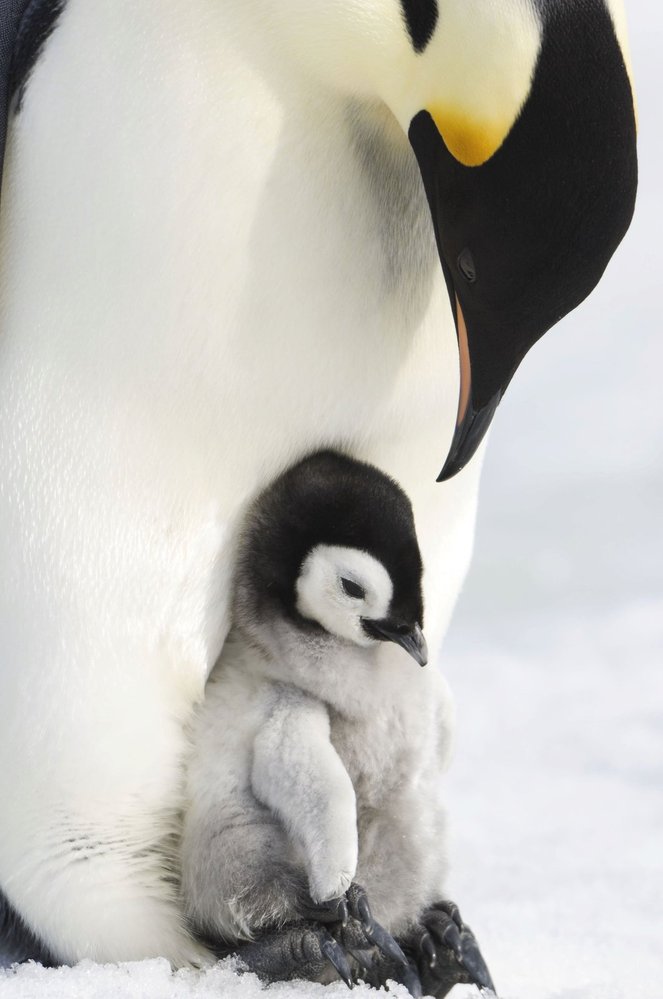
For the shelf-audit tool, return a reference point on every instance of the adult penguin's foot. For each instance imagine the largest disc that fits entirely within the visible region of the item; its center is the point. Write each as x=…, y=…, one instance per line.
x=446, y=952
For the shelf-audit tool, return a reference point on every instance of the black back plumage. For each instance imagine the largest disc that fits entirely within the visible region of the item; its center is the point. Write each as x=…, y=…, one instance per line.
x=329, y=498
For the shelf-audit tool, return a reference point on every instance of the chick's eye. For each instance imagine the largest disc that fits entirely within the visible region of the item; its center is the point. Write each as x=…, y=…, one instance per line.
x=353, y=589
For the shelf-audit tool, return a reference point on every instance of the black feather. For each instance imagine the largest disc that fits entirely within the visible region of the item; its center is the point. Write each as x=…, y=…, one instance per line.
x=25, y=26
x=420, y=19
x=36, y=25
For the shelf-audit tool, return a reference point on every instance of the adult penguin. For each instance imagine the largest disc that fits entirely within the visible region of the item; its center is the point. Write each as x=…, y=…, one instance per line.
x=221, y=233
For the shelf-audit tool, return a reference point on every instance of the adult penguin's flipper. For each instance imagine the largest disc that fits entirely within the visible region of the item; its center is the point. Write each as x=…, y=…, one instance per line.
x=24, y=27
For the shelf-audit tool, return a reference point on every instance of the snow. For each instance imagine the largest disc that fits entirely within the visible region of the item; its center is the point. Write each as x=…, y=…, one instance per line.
x=555, y=657
x=557, y=805
x=154, y=980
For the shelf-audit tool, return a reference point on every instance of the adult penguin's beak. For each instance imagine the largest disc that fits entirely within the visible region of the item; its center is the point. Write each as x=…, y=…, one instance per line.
x=443, y=178
x=471, y=422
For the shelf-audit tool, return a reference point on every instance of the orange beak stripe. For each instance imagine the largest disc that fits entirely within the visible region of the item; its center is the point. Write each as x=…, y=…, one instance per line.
x=465, y=367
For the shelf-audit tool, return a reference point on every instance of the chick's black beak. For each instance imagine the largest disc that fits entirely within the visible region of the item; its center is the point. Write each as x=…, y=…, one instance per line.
x=410, y=638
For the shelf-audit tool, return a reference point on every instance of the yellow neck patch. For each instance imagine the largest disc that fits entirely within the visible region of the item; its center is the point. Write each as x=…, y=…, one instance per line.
x=469, y=140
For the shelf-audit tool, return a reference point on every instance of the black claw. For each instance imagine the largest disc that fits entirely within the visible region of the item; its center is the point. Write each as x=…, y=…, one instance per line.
x=473, y=962
x=451, y=937
x=385, y=969
x=452, y=910
x=336, y=956
x=358, y=902
x=364, y=911
x=410, y=979
x=361, y=910
x=385, y=942
x=428, y=948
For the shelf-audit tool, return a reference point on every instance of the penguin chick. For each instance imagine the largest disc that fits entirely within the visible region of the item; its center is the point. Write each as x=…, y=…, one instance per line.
x=317, y=751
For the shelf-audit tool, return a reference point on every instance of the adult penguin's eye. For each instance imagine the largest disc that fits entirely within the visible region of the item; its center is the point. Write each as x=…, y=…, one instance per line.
x=353, y=589
x=466, y=265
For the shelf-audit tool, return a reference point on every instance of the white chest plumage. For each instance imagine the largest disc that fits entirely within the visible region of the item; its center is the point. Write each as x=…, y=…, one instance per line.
x=228, y=276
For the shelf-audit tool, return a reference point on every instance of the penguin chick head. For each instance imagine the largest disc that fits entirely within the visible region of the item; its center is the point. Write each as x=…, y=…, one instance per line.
x=331, y=547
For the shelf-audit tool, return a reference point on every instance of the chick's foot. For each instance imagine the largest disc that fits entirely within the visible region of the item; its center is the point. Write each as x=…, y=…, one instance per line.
x=301, y=950
x=446, y=952
x=341, y=933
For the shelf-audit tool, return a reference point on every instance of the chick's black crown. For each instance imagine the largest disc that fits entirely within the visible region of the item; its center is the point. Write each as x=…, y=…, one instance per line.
x=329, y=498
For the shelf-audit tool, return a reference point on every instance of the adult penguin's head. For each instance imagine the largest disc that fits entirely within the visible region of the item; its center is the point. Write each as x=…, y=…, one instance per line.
x=521, y=117
x=531, y=178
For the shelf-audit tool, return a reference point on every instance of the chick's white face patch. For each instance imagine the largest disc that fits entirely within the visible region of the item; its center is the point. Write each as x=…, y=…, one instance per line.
x=322, y=596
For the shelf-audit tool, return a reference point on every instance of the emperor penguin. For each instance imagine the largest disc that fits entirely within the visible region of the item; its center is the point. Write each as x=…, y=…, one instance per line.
x=317, y=753
x=230, y=234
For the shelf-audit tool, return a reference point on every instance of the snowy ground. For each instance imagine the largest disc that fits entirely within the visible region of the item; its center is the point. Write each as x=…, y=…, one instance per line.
x=555, y=656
